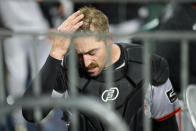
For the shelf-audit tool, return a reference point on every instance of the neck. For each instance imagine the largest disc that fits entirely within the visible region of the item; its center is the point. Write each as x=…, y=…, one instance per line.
x=115, y=54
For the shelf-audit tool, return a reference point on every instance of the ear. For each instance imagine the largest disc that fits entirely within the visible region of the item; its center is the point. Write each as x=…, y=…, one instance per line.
x=110, y=40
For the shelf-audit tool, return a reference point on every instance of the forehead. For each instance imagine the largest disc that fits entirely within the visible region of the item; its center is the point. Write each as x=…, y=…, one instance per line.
x=85, y=44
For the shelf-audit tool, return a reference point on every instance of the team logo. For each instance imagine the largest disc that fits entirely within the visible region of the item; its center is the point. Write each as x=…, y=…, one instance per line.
x=110, y=95
x=171, y=95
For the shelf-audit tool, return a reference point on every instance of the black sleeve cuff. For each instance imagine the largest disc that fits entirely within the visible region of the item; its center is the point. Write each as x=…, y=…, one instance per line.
x=52, y=61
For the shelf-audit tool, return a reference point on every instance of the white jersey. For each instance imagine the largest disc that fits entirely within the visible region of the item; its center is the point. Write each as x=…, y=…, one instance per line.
x=22, y=15
x=161, y=102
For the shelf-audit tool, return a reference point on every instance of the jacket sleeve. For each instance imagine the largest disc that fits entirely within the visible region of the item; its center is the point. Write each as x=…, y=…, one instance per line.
x=163, y=106
x=159, y=70
x=48, y=81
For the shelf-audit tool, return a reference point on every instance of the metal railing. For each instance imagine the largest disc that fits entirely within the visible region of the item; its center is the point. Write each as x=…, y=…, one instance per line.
x=146, y=36
x=92, y=106
x=75, y=103
x=190, y=100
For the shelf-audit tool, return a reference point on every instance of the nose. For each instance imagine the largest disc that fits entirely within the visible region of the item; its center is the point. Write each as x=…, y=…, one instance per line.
x=86, y=60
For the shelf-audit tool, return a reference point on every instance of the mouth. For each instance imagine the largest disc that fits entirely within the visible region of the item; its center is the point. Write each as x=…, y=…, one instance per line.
x=91, y=70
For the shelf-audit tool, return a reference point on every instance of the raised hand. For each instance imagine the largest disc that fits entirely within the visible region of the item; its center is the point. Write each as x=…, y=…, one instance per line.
x=61, y=44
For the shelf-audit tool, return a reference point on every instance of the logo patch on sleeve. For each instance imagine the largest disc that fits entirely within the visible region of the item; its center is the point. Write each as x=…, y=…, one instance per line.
x=171, y=95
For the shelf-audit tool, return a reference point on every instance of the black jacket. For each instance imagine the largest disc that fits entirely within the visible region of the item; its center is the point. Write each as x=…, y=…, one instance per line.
x=127, y=88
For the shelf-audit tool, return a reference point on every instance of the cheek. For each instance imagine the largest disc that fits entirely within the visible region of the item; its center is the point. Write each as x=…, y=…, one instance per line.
x=101, y=58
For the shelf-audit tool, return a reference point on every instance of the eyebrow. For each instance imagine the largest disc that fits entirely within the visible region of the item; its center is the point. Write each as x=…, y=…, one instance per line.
x=88, y=51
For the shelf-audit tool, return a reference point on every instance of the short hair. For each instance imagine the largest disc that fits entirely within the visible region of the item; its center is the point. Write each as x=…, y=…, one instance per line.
x=94, y=20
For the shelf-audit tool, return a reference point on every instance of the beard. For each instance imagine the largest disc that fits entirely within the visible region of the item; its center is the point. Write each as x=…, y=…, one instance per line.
x=92, y=65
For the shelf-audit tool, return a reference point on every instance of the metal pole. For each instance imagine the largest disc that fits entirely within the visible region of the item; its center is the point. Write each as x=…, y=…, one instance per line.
x=92, y=106
x=184, y=81
x=121, y=1
x=109, y=71
x=190, y=101
x=161, y=35
x=184, y=67
x=73, y=80
x=2, y=85
x=146, y=59
x=35, y=70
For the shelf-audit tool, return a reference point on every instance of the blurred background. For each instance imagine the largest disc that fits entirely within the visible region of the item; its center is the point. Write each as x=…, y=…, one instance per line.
x=127, y=17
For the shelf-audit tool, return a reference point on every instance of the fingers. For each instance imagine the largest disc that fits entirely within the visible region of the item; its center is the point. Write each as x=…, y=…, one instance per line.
x=77, y=19
x=74, y=15
x=72, y=23
x=77, y=26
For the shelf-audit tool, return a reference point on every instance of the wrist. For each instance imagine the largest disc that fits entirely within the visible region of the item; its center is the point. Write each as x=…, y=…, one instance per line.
x=57, y=54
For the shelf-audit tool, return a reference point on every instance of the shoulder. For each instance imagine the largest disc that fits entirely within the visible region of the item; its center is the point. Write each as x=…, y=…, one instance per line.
x=159, y=66
x=133, y=52
x=159, y=70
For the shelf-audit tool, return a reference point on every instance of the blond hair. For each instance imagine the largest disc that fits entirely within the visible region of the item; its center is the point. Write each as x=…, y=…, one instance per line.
x=94, y=20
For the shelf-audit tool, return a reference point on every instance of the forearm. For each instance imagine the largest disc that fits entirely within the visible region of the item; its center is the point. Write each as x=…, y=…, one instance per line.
x=47, y=77
x=49, y=72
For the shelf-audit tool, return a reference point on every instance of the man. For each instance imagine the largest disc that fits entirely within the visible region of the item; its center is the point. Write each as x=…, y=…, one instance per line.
x=161, y=105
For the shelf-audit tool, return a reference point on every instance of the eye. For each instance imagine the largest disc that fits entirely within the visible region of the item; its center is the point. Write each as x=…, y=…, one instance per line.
x=79, y=56
x=92, y=53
